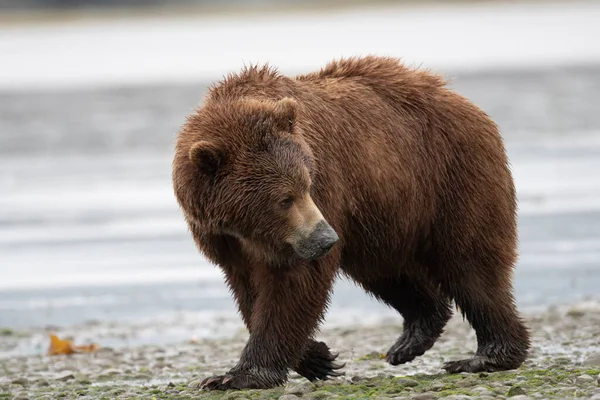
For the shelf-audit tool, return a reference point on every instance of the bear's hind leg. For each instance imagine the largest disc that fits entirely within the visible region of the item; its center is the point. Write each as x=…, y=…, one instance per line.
x=488, y=303
x=425, y=311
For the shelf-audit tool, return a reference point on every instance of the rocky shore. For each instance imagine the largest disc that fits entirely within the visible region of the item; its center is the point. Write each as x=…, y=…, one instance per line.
x=564, y=363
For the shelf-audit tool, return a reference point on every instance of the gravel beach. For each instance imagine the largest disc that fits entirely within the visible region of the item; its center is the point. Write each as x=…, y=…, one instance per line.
x=565, y=363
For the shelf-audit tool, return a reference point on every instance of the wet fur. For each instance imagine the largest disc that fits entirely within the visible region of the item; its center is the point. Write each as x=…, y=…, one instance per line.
x=414, y=179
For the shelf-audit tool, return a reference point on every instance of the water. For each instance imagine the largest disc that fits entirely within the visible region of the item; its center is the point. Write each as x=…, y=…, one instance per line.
x=90, y=230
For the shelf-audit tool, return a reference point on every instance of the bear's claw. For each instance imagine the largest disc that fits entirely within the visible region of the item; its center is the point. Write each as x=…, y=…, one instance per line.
x=236, y=380
x=406, y=349
x=318, y=363
x=472, y=365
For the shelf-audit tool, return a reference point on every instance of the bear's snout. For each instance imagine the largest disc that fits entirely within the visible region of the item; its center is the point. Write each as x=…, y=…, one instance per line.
x=318, y=243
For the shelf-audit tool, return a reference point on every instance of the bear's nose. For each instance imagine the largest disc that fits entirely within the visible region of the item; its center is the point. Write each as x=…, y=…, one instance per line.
x=322, y=239
x=327, y=240
x=317, y=243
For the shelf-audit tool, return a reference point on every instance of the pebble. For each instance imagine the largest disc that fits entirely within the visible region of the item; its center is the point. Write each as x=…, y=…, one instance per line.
x=437, y=386
x=515, y=391
x=65, y=378
x=112, y=371
x=568, y=389
x=585, y=378
x=299, y=388
x=407, y=382
x=423, y=396
x=319, y=395
x=482, y=391
x=195, y=384
x=521, y=397
x=468, y=382
x=595, y=397
x=593, y=360
x=288, y=397
x=20, y=381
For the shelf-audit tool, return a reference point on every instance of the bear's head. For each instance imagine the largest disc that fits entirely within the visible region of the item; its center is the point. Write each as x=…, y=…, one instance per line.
x=243, y=169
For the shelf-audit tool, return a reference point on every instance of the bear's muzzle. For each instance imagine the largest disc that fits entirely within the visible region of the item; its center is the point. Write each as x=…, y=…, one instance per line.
x=318, y=243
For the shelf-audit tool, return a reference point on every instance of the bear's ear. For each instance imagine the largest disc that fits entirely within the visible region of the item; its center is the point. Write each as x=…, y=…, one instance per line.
x=285, y=113
x=207, y=156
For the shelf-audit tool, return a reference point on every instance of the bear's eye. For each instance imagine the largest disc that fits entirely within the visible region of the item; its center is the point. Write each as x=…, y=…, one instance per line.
x=287, y=202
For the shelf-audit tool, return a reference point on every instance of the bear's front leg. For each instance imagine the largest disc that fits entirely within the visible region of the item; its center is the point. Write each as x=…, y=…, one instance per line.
x=290, y=304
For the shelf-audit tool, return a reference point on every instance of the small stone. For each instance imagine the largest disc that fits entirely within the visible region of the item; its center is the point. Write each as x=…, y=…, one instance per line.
x=423, y=396
x=568, y=389
x=288, y=397
x=407, y=382
x=65, y=378
x=112, y=371
x=299, y=388
x=356, y=379
x=595, y=397
x=468, y=382
x=20, y=381
x=593, y=360
x=521, y=397
x=21, y=397
x=573, y=313
x=562, y=360
x=82, y=379
x=598, y=379
x=437, y=386
x=482, y=391
x=458, y=397
x=515, y=391
x=42, y=383
x=318, y=395
x=585, y=378
x=194, y=384
x=228, y=396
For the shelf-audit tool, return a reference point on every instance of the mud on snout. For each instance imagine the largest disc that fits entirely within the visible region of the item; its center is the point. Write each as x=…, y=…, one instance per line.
x=312, y=236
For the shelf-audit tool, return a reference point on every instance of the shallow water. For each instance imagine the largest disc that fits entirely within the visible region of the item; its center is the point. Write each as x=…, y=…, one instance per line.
x=90, y=230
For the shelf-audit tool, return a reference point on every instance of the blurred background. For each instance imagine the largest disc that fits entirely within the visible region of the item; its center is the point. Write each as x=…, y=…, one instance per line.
x=92, y=94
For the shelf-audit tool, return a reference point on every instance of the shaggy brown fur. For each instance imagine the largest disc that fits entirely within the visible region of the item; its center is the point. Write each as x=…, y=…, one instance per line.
x=412, y=177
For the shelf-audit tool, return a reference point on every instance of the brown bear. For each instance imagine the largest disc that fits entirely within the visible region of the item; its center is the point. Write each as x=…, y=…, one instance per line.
x=366, y=168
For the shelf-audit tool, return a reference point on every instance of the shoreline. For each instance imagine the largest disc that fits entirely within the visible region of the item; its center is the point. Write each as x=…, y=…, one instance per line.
x=564, y=362
x=48, y=16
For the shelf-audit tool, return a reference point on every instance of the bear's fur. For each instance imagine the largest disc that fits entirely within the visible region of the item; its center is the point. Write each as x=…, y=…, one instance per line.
x=407, y=180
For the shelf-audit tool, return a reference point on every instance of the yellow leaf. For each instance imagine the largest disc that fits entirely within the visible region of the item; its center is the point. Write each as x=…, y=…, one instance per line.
x=60, y=346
